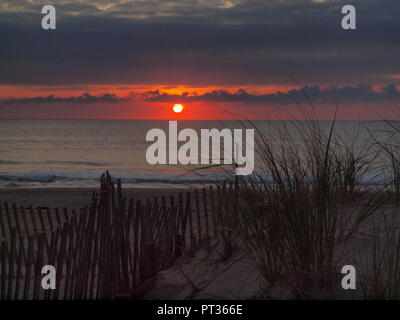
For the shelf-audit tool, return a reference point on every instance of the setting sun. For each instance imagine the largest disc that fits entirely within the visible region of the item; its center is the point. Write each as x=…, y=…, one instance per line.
x=178, y=108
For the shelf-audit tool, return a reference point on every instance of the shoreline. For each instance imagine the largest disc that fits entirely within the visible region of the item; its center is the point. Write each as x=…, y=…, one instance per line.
x=75, y=198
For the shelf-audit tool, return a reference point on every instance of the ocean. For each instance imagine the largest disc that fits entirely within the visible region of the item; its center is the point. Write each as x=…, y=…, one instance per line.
x=74, y=153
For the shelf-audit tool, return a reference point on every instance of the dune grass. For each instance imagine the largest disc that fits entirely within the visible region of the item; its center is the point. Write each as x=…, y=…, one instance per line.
x=380, y=260
x=307, y=201
x=314, y=193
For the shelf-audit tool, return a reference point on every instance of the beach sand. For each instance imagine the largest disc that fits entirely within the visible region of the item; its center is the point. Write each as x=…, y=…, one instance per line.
x=74, y=198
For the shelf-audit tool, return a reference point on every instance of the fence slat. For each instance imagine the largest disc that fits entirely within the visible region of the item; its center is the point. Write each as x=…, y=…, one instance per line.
x=50, y=220
x=198, y=214
x=2, y=224
x=25, y=221
x=43, y=227
x=213, y=212
x=3, y=284
x=29, y=264
x=33, y=219
x=17, y=225
x=206, y=214
x=8, y=217
x=38, y=266
x=19, y=269
x=11, y=261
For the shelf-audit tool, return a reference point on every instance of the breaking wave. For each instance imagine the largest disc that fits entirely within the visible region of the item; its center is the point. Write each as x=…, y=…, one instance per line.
x=90, y=178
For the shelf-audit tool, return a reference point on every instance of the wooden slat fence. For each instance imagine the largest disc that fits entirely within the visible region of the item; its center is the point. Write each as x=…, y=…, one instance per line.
x=109, y=249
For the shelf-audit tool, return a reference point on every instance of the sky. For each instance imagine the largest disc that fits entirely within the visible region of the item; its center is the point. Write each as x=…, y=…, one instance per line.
x=222, y=59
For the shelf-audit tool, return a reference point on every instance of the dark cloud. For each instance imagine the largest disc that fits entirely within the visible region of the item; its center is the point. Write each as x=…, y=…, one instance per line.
x=205, y=43
x=82, y=99
x=328, y=95
x=318, y=95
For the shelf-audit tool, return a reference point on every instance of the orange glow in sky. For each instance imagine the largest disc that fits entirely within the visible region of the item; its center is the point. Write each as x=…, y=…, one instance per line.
x=135, y=106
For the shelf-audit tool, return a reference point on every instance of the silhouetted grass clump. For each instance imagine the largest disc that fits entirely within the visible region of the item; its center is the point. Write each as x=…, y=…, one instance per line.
x=305, y=202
